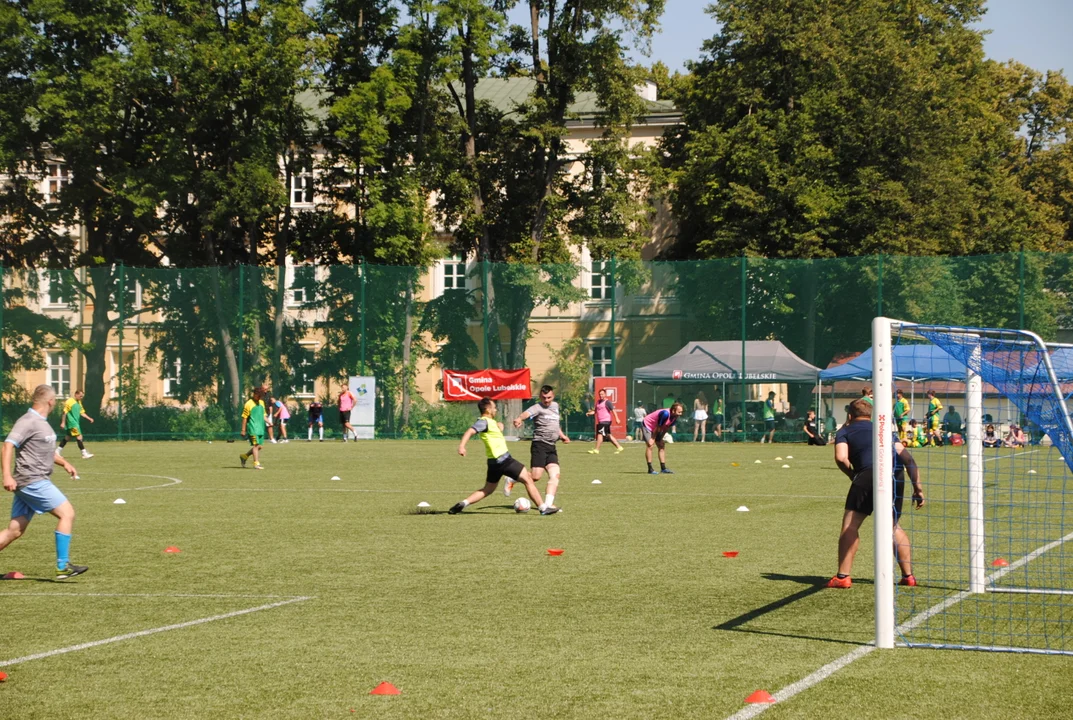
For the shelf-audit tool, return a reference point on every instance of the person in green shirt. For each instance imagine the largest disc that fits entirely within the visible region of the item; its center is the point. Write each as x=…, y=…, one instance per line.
x=866, y=394
x=931, y=421
x=917, y=436
x=73, y=412
x=717, y=415
x=769, y=418
x=901, y=414
x=253, y=423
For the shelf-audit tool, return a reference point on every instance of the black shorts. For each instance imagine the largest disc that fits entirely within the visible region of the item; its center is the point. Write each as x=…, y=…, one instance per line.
x=543, y=454
x=498, y=468
x=859, y=498
x=717, y=418
x=816, y=440
x=604, y=429
x=344, y=417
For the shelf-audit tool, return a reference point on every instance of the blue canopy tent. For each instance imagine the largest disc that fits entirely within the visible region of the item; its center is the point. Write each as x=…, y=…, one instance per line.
x=912, y=364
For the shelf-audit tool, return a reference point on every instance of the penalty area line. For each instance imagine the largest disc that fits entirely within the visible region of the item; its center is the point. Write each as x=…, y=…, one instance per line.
x=831, y=668
x=151, y=631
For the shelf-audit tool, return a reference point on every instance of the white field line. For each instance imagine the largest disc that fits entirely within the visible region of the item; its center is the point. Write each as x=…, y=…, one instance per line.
x=83, y=491
x=212, y=596
x=151, y=631
x=832, y=667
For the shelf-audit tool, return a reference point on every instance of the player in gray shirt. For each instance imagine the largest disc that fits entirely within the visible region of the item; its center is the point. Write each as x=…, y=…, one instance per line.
x=546, y=432
x=35, y=441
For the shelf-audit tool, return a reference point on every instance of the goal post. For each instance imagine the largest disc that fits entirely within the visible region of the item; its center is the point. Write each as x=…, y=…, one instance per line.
x=992, y=549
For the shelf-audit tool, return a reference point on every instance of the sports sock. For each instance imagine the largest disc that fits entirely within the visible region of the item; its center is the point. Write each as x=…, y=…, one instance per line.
x=63, y=441
x=81, y=445
x=245, y=456
x=662, y=465
x=310, y=433
x=63, y=549
x=321, y=432
x=542, y=507
x=549, y=499
x=649, y=467
x=465, y=503
x=841, y=576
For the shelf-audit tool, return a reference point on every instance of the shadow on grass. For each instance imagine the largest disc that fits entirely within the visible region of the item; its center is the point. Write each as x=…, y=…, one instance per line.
x=471, y=510
x=813, y=584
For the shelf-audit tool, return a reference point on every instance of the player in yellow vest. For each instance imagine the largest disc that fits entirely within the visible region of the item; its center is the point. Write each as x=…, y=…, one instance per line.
x=500, y=462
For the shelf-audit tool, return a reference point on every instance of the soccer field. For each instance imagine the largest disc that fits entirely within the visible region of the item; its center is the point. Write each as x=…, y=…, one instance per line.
x=294, y=595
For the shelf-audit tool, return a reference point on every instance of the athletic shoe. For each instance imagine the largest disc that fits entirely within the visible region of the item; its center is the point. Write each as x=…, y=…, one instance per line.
x=508, y=487
x=242, y=459
x=456, y=508
x=619, y=450
x=322, y=439
x=549, y=510
x=258, y=466
x=908, y=581
x=840, y=583
x=87, y=455
x=653, y=472
x=273, y=441
x=666, y=471
x=594, y=452
x=70, y=571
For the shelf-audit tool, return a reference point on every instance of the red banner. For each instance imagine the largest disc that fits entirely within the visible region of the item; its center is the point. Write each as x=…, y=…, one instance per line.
x=472, y=385
x=615, y=390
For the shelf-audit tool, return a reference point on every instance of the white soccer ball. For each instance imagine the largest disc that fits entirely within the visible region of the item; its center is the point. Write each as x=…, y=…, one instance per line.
x=522, y=505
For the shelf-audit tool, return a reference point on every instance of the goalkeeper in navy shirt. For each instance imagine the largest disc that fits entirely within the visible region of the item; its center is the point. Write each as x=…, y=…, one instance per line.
x=853, y=455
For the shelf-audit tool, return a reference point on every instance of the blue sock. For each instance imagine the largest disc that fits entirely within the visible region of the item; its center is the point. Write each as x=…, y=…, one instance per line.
x=63, y=549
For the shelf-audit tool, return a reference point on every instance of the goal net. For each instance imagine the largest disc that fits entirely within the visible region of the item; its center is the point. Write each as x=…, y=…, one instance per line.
x=992, y=549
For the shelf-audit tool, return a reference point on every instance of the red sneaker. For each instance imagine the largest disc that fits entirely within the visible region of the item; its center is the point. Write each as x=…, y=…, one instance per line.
x=841, y=583
x=908, y=581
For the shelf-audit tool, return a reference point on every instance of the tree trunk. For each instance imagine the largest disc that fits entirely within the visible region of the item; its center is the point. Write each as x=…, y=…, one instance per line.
x=96, y=354
x=281, y=297
x=234, y=383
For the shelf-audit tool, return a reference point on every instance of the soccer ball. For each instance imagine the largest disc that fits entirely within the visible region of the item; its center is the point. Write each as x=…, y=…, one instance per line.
x=522, y=505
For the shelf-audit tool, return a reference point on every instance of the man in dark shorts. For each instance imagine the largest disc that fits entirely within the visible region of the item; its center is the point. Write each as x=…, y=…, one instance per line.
x=853, y=455
x=500, y=463
x=812, y=430
x=316, y=417
x=546, y=432
x=605, y=412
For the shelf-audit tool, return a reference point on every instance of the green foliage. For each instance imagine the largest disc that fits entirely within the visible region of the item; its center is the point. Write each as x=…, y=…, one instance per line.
x=439, y=420
x=573, y=371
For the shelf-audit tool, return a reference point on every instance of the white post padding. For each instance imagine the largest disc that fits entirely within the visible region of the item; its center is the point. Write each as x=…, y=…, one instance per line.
x=883, y=480
x=974, y=448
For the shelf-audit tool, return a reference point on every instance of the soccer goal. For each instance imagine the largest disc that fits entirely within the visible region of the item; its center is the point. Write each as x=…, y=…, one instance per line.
x=992, y=549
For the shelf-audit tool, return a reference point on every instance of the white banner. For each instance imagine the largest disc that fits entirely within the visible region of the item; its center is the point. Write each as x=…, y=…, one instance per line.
x=363, y=414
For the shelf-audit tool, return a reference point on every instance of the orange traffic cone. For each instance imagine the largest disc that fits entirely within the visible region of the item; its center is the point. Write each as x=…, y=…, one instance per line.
x=760, y=696
x=385, y=688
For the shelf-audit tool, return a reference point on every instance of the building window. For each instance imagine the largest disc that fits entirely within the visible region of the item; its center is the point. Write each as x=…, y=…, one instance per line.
x=302, y=289
x=304, y=378
x=59, y=373
x=600, y=288
x=57, y=287
x=454, y=273
x=601, y=360
x=172, y=378
x=302, y=188
x=57, y=179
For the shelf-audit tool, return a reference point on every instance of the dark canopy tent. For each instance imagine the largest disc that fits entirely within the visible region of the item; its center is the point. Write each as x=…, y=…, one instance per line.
x=719, y=361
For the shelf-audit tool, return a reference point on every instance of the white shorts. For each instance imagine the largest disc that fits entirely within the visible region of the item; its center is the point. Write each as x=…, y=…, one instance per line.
x=700, y=415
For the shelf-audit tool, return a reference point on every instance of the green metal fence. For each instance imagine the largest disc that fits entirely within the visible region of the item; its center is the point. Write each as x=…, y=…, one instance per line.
x=171, y=352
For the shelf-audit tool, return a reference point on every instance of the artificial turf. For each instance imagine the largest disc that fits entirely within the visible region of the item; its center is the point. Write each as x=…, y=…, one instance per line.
x=641, y=617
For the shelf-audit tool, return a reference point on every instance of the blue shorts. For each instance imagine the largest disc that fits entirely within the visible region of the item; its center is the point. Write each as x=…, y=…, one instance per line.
x=39, y=497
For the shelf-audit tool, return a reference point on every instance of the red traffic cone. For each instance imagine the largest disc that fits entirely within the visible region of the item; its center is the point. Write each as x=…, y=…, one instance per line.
x=172, y=549
x=14, y=575
x=1000, y=562
x=760, y=696
x=385, y=688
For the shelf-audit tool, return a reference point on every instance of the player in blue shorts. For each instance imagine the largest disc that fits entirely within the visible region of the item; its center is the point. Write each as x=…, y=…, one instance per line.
x=35, y=441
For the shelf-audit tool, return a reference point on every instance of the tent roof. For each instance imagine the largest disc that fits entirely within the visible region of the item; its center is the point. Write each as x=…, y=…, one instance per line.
x=911, y=362
x=717, y=361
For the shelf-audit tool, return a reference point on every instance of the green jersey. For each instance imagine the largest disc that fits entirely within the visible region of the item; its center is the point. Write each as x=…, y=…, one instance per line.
x=72, y=413
x=254, y=414
x=901, y=410
x=934, y=406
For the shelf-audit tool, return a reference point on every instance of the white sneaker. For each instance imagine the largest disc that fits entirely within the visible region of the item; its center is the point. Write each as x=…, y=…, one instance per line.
x=273, y=441
x=508, y=487
x=87, y=455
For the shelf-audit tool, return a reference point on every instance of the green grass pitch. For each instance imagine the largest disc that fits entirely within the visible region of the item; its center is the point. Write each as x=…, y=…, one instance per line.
x=641, y=617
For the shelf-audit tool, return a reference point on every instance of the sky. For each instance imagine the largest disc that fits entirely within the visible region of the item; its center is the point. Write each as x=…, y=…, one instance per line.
x=1034, y=32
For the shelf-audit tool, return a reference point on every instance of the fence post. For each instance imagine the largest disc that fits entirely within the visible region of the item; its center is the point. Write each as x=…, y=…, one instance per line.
x=122, y=321
x=614, y=346
x=484, y=318
x=241, y=328
x=362, y=269
x=1021, y=293
x=879, y=298
x=741, y=374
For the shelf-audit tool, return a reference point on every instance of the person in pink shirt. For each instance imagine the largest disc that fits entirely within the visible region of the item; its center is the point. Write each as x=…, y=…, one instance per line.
x=282, y=415
x=654, y=428
x=603, y=412
x=346, y=404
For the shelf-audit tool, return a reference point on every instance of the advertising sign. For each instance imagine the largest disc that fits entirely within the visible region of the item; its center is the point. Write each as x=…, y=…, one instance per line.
x=363, y=414
x=472, y=385
x=615, y=389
